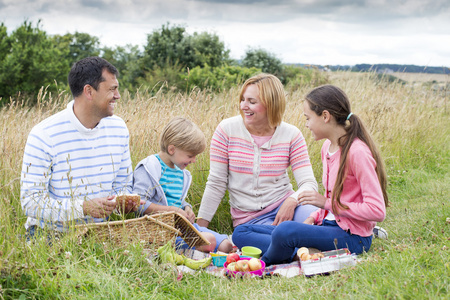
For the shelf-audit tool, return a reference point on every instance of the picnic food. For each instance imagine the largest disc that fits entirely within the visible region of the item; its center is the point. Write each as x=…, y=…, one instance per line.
x=254, y=264
x=303, y=254
x=197, y=264
x=122, y=200
x=232, y=266
x=242, y=265
x=232, y=257
x=233, y=270
x=168, y=255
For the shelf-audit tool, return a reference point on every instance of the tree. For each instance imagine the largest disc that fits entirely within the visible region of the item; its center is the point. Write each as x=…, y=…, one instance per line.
x=261, y=59
x=79, y=45
x=208, y=51
x=126, y=60
x=165, y=47
x=31, y=63
x=5, y=42
x=172, y=46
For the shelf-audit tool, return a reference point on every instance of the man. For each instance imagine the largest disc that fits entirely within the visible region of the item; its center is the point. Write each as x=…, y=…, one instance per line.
x=77, y=160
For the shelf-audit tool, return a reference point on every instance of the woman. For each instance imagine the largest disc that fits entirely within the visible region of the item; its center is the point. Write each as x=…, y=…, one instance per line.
x=250, y=154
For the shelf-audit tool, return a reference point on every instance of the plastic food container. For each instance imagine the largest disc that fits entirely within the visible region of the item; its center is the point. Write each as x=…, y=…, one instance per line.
x=259, y=272
x=332, y=261
x=251, y=251
x=218, y=260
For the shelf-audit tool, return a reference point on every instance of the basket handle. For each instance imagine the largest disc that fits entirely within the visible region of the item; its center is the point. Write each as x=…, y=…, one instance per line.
x=164, y=225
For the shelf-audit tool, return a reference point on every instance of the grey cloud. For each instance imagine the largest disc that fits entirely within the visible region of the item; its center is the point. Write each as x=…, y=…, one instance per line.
x=245, y=11
x=94, y=3
x=351, y=11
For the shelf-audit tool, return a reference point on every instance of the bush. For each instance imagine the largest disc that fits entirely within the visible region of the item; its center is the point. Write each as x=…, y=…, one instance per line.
x=162, y=78
x=261, y=59
x=219, y=78
x=296, y=77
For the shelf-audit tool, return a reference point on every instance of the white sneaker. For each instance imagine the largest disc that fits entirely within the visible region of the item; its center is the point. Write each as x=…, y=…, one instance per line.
x=379, y=232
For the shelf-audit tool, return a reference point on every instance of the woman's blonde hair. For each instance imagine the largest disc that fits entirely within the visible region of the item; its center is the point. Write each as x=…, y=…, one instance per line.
x=184, y=135
x=272, y=95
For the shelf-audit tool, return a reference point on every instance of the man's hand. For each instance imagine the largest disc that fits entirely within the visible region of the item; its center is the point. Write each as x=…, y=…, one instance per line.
x=99, y=207
x=286, y=211
x=190, y=214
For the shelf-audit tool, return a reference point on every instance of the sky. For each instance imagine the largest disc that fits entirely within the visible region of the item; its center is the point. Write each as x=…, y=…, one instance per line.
x=323, y=32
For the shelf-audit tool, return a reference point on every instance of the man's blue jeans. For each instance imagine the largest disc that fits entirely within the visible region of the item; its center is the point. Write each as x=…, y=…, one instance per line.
x=279, y=243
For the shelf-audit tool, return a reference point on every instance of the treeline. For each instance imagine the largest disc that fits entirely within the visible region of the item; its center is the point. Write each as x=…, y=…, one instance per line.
x=30, y=60
x=386, y=68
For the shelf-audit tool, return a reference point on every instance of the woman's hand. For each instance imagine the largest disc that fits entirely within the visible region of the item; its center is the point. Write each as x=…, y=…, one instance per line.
x=286, y=211
x=313, y=198
x=190, y=214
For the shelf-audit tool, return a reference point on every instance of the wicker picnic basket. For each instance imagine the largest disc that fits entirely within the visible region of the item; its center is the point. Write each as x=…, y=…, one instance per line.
x=157, y=229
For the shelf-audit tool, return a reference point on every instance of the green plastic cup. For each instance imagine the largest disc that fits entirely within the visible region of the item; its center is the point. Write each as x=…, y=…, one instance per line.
x=251, y=251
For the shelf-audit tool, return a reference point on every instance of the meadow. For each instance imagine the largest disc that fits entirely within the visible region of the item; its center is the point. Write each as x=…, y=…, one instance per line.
x=411, y=126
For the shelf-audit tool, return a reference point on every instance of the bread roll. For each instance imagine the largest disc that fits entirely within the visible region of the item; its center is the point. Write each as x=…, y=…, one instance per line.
x=302, y=252
x=122, y=200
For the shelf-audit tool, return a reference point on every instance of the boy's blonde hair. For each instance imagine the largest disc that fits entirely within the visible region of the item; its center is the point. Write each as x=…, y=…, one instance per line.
x=183, y=134
x=272, y=95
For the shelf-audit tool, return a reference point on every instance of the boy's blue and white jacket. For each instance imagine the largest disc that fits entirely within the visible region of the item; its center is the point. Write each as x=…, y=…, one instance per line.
x=146, y=178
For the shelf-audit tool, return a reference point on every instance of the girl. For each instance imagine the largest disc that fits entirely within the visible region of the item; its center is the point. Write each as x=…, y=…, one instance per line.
x=354, y=179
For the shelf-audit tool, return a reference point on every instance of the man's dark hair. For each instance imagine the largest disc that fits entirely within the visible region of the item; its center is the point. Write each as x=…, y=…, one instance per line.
x=88, y=71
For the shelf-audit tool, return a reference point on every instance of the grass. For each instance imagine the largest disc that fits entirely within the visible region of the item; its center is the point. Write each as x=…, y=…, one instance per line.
x=410, y=125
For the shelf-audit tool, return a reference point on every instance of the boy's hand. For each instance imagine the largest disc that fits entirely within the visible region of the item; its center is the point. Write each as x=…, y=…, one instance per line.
x=178, y=210
x=190, y=214
x=132, y=207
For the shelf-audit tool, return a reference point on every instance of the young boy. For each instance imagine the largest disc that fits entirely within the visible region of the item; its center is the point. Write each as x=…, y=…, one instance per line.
x=163, y=182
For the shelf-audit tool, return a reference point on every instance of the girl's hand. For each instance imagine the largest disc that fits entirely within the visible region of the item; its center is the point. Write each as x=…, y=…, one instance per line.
x=309, y=220
x=313, y=198
x=286, y=211
x=190, y=214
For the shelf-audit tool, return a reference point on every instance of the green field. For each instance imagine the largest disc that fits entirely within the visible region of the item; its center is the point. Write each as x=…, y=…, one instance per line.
x=410, y=125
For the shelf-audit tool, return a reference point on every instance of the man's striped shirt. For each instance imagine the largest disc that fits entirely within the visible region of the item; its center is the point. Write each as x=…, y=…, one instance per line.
x=65, y=164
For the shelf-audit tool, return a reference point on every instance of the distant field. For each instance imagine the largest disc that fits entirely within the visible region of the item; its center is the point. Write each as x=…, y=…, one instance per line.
x=422, y=77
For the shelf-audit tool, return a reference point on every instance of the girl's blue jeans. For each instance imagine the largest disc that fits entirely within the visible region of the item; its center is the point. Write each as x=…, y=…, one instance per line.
x=279, y=243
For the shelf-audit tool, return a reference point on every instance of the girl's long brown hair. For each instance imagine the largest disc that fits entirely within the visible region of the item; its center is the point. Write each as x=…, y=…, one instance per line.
x=335, y=101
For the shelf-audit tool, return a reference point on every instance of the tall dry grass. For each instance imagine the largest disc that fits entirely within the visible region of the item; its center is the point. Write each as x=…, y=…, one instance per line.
x=401, y=119
x=411, y=126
